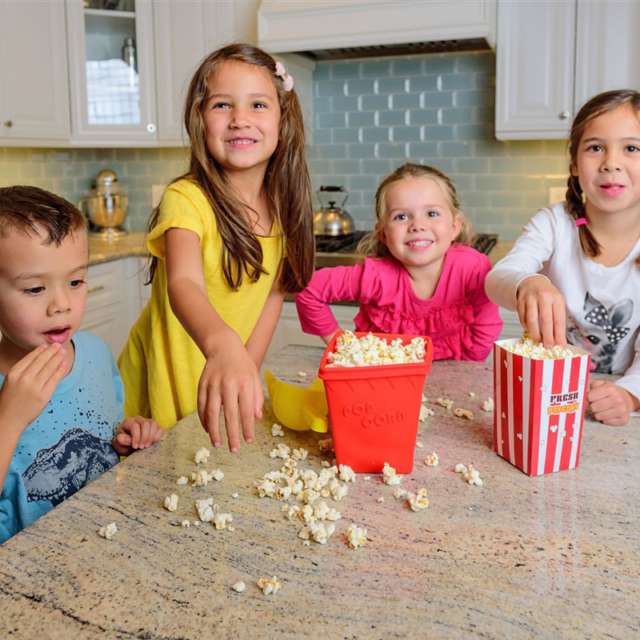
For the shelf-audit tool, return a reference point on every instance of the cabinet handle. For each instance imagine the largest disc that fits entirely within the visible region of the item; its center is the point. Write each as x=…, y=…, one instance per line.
x=100, y=287
x=564, y=115
x=8, y=124
x=151, y=128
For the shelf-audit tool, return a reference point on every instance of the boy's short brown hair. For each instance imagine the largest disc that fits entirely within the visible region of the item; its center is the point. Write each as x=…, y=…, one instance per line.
x=30, y=209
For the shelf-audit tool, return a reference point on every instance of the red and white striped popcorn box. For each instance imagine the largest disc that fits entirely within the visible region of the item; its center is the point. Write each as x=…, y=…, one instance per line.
x=539, y=409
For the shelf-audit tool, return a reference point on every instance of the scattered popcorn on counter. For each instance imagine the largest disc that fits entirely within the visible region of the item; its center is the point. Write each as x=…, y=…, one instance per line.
x=346, y=473
x=380, y=499
x=217, y=475
x=299, y=454
x=182, y=480
x=467, y=414
x=221, y=520
x=432, y=460
x=202, y=455
x=200, y=478
x=419, y=445
x=302, y=374
x=204, y=507
x=269, y=585
x=235, y=494
x=276, y=430
x=537, y=351
x=472, y=394
x=389, y=475
x=469, y=474
x=239, y=586
x=352, y=351
x=281, y=451
x=487, y=405
x=418, y=501
x=400, y=493
x=445, y=402
x=108, y=531
x=185, y=524
x=171, y=502
x=425, y=412
x=356, y=536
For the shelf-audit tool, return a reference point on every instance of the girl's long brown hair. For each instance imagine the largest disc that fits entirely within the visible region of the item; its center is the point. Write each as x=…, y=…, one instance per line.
x=286, y=183
x=373, y=243
x=596, y=106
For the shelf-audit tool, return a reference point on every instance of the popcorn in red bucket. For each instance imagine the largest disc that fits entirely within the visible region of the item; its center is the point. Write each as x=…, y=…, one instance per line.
x=539, y=405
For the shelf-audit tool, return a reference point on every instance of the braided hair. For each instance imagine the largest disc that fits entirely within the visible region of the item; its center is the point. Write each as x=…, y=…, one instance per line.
x=575, y=200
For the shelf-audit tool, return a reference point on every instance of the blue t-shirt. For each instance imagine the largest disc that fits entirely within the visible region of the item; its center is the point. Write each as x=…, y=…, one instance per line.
x=69, y=443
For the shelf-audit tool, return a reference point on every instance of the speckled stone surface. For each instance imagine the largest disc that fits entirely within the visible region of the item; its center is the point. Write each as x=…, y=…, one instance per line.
x=126, y=246
x=550, y=557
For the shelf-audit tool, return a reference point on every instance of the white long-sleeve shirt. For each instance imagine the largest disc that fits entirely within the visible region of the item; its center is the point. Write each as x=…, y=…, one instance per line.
x=603, y=303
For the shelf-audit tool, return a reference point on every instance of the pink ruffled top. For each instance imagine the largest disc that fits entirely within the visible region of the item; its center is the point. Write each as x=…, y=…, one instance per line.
x=461, y=321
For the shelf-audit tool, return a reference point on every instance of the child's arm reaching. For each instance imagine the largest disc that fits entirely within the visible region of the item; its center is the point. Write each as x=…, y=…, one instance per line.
x=515, y=282
x=335, y=284
x=136, y=433
x=27, y=389
x=230, y=380
x=262, y=333
x=487, y=324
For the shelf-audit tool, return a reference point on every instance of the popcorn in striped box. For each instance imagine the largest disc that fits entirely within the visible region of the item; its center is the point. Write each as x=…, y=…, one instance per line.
x=539, y=405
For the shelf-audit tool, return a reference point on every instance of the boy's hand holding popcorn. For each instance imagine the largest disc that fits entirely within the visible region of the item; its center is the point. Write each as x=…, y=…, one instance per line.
x=136, y=433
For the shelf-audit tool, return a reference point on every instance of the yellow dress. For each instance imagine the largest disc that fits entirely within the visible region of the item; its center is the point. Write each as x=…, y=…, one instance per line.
x=160, y=364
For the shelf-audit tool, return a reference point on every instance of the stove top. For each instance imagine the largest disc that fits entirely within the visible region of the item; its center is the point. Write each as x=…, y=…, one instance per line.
x=339, y=244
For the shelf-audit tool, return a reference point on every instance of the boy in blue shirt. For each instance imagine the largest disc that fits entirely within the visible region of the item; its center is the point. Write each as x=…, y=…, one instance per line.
x=61, y=397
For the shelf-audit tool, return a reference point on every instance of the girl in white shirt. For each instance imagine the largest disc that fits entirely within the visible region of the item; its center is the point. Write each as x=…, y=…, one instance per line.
x=574, y=274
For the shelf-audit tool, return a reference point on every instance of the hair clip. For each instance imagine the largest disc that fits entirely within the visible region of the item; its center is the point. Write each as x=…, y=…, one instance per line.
x=287, y=79
x=581, y=221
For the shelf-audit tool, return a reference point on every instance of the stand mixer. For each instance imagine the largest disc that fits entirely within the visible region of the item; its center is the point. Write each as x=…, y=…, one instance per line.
x=106, y=205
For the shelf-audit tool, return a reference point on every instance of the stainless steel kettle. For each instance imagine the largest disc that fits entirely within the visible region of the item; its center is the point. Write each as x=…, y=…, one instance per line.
x=332, y=219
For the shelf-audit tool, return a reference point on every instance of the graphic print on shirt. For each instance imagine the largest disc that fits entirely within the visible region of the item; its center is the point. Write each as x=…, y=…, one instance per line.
x=606, y=329
x=59, y=471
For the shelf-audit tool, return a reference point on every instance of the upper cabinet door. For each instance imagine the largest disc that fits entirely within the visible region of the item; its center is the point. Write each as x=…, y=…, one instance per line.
x=535, y=68
x=111, y=71
x=607, y=48
x=34, y=102
x=179, y=34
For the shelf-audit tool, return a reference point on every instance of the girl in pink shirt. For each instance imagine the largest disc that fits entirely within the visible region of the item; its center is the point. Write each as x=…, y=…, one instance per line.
x=420, y=279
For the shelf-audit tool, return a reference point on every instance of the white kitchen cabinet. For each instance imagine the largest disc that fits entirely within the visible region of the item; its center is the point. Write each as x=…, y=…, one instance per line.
x=112, y=100
x=115, y=298
x=303, y=25
x=288, y=331
x=553, y=56
x=34, y=104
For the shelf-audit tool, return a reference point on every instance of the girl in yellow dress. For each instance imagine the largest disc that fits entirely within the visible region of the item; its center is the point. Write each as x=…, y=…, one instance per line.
x=229, y=238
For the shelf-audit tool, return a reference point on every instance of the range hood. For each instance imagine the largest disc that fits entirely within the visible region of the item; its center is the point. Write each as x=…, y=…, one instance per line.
x=358, y=28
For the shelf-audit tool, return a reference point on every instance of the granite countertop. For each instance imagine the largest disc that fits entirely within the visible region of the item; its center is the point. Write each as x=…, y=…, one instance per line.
x=550, y=557
x=125, y=246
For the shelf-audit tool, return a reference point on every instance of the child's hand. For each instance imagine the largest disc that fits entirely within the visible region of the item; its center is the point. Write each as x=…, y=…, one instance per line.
x=327, y=339
x=542, y=311
x=136, y=433
x=610, y=403
x=29, y=385
x=230, y=381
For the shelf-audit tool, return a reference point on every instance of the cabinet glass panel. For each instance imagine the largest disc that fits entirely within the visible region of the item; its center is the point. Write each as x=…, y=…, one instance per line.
x=112, y=80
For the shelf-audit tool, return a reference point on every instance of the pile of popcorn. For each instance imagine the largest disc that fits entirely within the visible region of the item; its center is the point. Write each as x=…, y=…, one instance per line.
x=537, y=351
x=308, y=491
x=352, y=351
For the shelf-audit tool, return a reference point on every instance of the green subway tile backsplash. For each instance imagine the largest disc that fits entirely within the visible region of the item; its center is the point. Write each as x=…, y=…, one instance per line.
x=437, y=109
